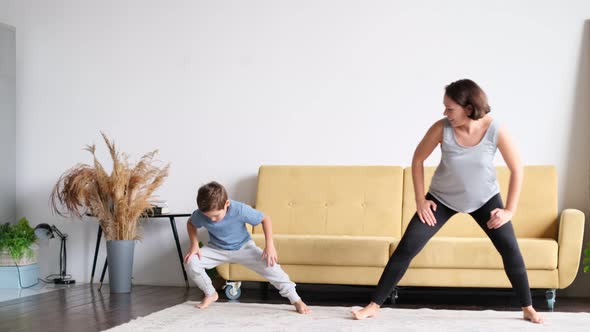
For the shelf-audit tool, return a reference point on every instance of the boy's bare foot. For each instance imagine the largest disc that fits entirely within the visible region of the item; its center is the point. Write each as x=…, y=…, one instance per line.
x=301, y=307
x=529, y=313
x=366, y=312
x=207, y=300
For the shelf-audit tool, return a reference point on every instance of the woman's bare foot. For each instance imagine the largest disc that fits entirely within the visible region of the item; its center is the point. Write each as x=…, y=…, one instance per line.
x=366, y=312
x=207, y=300
x=301, y=307
x=529, y=313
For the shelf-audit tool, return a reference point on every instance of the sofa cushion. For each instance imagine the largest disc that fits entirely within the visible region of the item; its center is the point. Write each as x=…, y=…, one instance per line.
x=331, y=200
x=480, y=253
x=330, y=250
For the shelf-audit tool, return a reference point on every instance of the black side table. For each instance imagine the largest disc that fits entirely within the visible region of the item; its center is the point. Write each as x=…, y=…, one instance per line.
x=171, y=217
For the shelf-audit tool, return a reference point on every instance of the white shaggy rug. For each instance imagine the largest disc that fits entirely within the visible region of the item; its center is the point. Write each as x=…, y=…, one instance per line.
x=282, y=317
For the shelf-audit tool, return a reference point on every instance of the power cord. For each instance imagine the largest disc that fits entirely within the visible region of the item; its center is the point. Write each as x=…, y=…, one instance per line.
x=48, y=280
x=45, y=280
x=20, y=278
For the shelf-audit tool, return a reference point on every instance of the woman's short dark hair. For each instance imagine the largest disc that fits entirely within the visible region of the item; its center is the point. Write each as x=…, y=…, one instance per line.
x=211, y=197
x=469, y=95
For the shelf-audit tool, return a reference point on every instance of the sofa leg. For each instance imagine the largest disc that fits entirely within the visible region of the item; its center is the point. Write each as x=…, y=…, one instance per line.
x=232, y=289
x=264, y=290
x=550, y=297
x=393, y=296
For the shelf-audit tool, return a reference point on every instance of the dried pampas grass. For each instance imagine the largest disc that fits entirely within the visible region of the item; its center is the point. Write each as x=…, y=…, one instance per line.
x=118, y=199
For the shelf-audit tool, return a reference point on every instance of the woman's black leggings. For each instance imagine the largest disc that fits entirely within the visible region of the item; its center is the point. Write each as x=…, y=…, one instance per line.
x=417, y=235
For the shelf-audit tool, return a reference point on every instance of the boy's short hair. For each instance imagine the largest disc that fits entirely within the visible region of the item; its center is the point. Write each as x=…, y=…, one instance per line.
x=211, y=197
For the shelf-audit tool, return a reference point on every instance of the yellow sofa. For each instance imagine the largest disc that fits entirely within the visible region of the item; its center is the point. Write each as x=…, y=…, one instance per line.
x=340, y=224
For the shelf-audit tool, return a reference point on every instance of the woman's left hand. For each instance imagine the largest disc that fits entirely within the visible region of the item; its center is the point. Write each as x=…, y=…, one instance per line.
x=498, y=217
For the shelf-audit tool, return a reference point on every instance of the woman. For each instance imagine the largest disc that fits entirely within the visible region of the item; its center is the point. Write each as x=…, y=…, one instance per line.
x=464, y=181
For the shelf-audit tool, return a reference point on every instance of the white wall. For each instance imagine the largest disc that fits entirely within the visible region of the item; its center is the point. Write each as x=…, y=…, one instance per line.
x=7, y=124
x=221, y=87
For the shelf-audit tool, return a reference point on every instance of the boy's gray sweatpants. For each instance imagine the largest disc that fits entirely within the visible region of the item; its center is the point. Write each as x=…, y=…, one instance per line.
x=248, y=255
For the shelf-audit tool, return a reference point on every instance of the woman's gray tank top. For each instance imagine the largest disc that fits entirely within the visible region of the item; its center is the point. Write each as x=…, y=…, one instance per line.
x=465, y=179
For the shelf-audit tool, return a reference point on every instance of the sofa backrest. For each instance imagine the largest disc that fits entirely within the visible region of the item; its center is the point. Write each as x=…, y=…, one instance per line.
x=536, y=215
x=331, y=200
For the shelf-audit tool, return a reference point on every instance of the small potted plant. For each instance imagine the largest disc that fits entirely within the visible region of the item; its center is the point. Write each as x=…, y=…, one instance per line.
x=18, y=255
x=17, y=244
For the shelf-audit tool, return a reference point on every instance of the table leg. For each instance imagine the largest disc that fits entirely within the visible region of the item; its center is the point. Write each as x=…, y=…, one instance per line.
x=98, y=236
x=104, y=270
x=173, y=225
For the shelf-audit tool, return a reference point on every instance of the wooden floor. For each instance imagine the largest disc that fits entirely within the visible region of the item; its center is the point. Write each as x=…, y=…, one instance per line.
x=84, y=308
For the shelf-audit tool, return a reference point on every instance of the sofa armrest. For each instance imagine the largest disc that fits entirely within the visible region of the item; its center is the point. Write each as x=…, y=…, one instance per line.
x=570, y=237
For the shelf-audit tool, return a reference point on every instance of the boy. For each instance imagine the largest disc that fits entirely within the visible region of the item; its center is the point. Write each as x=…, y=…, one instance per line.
x=230, y=242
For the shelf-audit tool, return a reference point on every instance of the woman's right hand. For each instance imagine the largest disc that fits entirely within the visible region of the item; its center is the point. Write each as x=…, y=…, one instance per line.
x=191, y=252
x=424, y=209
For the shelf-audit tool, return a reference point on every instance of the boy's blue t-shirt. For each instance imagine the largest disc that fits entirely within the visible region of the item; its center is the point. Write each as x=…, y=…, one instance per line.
x=229, y=233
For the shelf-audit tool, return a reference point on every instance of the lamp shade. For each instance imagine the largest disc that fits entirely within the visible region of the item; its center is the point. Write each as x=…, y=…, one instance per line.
x=44, y=231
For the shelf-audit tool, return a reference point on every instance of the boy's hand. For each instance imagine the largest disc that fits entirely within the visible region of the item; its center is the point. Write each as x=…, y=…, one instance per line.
x=270, y=254
x=191, y=252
